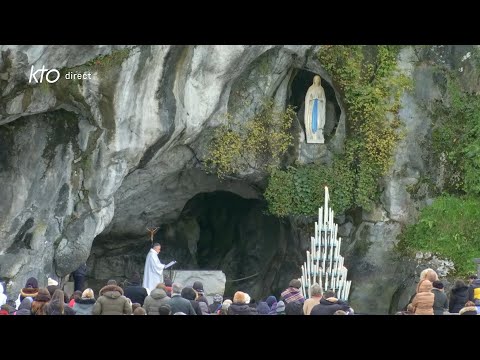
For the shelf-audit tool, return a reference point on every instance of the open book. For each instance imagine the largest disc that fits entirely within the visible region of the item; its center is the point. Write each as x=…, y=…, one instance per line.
x=170, y=264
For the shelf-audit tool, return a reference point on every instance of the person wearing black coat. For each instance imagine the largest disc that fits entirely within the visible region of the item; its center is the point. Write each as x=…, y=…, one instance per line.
x=79, y=277
x=30, y=289
x=440, y=302
x=135, y=291
x=190, y=294
x=458, y=297
x=294, y=308
x=215, y=307
x=329, y=304
x=56, y=305
x=240, y=306
x=178, y=303
x=25, y=307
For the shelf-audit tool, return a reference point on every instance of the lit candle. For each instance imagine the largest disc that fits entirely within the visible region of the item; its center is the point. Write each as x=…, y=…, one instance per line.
x=324, y=256
x=320, y=219
x=325, y=207
x=312, y=247
x=339, y=244
x=303, y=287
x=307, y=277
x=331, y=257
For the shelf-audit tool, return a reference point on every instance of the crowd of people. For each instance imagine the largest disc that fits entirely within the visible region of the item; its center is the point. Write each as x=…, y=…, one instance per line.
x=169, y=298
x=166, y=299
x=430, y=297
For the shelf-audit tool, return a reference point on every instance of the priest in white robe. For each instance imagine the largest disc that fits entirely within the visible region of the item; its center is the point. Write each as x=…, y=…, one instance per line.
x=153, y=274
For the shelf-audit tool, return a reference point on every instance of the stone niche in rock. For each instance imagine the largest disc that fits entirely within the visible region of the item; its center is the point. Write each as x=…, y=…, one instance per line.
x=215, y=231
x=302, y=80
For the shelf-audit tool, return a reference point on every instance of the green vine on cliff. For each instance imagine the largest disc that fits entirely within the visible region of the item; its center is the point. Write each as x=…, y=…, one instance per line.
x=448, y=228
x=256, y=144
x=371, y=88
x=456, y=138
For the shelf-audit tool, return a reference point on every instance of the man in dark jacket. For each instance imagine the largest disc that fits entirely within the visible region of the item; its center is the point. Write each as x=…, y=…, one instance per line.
x=190, y=294
x=79, y=277
x=458, y=297
x=135, y=291
x=329, y=304
x=440, y=302
x=178, y=303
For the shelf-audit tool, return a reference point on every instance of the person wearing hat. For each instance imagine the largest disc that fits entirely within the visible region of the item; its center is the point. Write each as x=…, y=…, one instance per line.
x=240, y=305
x=30, y=289
x=263, y=308
x=293, y=293
x=215, y=307
x=198, y=287
x=40, y=301
x=52, y=285
x=280, y=308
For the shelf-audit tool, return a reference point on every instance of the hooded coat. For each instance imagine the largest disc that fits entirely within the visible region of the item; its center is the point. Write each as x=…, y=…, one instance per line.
x=25, y=307
x=152, y=303
x=112, y=302
x=458, y=299
x=84, y=306
x=423, y=301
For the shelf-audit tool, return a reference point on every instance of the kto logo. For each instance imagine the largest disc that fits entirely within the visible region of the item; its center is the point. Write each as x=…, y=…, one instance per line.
x=51, y=75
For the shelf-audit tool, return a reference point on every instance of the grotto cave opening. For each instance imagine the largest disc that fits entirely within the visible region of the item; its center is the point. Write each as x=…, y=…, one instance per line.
x=216, y=230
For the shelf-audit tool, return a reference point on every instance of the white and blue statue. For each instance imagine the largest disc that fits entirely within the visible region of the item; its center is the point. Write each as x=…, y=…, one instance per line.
x=315, y=112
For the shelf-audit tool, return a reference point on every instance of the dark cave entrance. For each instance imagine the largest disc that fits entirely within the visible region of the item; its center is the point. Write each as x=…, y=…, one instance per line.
x=223, y=231
x=302, y=80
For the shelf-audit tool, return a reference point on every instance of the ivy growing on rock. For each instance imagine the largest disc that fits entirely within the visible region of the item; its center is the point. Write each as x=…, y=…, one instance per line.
x=448, y=227
x=371, y=88
x=256, y=144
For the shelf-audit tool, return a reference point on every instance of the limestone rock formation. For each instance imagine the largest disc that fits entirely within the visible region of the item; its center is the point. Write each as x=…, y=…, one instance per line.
x=103, y=158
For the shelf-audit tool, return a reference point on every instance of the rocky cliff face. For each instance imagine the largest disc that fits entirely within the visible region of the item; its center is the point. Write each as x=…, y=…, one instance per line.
x=103, y=158
x=74, y=153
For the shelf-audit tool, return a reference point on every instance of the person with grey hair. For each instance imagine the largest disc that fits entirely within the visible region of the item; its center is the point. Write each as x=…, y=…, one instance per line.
x=316, y=292
x=178, y=303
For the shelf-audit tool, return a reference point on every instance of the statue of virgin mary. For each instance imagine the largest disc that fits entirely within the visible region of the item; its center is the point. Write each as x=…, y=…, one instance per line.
x=315, y=112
